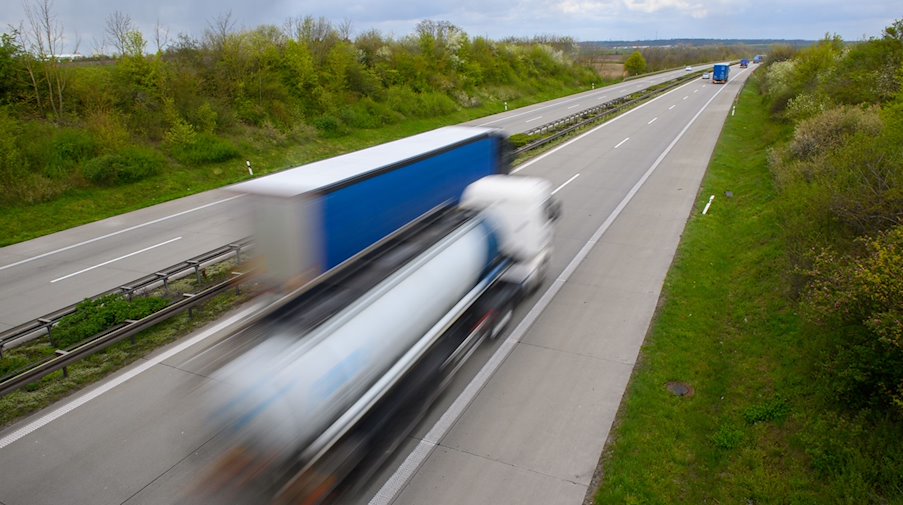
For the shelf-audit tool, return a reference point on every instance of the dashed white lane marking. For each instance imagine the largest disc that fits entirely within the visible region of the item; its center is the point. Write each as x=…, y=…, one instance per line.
x=534, y=119
x=124, y=230
x=652, y=120
x=116, y=259
x=622, y=142
x=671, y=107
x=565, y=183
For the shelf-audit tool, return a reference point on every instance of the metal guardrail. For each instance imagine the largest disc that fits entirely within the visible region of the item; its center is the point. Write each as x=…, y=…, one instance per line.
x=42, y=326
x=594, y=114
x=63, y=358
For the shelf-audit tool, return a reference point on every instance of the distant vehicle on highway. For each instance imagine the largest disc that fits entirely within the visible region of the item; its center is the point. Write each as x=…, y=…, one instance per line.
x=720, y=73
x=706, y=75
x=744, y=63
x=758, y=58
x=689, y=69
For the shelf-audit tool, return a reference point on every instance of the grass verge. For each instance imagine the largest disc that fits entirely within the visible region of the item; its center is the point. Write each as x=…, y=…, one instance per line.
x=268, y=153
x=757, y=429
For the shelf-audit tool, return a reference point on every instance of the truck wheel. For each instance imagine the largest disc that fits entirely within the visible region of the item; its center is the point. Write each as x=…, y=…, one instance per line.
x=505, y=315
x=539, y=277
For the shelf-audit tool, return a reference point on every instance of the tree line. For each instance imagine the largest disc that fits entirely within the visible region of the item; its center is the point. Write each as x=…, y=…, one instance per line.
x=184, y=100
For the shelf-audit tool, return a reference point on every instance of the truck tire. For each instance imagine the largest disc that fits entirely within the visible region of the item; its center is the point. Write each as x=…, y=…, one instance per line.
x=539, y=277
x=502, y=320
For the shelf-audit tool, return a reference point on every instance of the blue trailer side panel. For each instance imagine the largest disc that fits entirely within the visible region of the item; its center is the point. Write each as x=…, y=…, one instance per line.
x=720, y=73
x=358, y=215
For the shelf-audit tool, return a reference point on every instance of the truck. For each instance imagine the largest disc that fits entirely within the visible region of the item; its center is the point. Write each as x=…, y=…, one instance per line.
x=744, y=63
x=758, y=58
x=720, y=73
x=339, y=207
x=336, y=364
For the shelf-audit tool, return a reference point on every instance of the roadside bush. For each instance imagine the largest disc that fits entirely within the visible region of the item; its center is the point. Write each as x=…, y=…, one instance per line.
x=206, y=148
x=830, y=129
x=94, y=316
x=69, y=148
x=857, y=302
x=128, y=165
x=330, y=126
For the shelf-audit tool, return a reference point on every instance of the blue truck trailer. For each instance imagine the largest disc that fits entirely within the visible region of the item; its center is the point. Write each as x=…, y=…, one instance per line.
x=313, y=218
x=720, y=73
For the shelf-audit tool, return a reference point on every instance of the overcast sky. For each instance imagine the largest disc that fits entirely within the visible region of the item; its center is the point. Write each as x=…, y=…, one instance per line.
x=582, y=19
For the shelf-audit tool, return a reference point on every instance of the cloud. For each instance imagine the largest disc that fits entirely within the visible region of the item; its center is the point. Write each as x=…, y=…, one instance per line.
x=588, y=7
x=696, y=10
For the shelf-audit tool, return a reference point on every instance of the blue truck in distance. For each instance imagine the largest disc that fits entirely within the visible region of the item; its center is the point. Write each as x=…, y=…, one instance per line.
x=757, y=58
x=720, y=73
x=744, y=63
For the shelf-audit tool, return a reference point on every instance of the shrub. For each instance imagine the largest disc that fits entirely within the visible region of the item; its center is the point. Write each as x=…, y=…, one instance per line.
x=857, y=303
x=129, y=165
x=207, y=148
x=832, y=128
x=69, y=148
x=330, y=126
x=94, y=316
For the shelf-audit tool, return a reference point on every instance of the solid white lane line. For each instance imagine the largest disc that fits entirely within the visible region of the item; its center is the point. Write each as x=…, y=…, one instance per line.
x=78, y=402
x=652, y=120
x=115, y=259
x=622, y=142
x=534, y=119
x=671, y=107
x=572, y=106
x=124, y=230
x=565, y=183
x=424, y=448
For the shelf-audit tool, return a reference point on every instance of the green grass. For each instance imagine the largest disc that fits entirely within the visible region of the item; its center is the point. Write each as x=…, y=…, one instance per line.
x=268, y=154
x=757, y=430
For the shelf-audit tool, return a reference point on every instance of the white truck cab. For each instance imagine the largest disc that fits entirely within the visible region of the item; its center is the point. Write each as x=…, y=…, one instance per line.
x=521, y=210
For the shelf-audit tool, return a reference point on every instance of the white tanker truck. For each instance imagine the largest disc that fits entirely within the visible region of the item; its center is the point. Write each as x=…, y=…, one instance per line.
x=343, y=359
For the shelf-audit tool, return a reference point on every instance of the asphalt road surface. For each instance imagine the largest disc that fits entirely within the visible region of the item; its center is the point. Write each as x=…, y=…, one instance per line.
x=46, y=274
x=525, y=420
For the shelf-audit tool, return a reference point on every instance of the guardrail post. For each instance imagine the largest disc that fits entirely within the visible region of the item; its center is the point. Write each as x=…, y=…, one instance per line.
x=132, y=338
x=237, y=248
x=197, y=270
x=190, y=307
x=165, y=277
x=49, y=325
x=60, y=352
x=127, y=291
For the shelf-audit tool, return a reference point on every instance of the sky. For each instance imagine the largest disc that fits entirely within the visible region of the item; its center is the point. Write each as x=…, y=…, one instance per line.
x=585, y=20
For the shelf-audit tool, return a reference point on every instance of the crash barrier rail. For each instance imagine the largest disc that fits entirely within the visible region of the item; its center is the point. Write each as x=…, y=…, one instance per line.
x=564, y=126
x=43, y=326
x=64, y=357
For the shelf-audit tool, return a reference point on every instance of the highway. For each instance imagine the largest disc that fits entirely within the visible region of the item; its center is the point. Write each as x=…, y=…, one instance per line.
x=43, y=275
x=526, y=419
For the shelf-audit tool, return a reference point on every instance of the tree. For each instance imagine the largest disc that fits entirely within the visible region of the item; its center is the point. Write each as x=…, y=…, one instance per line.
x=118, y=26
x=42, y=41
x=10, y=66
x=635, y=64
